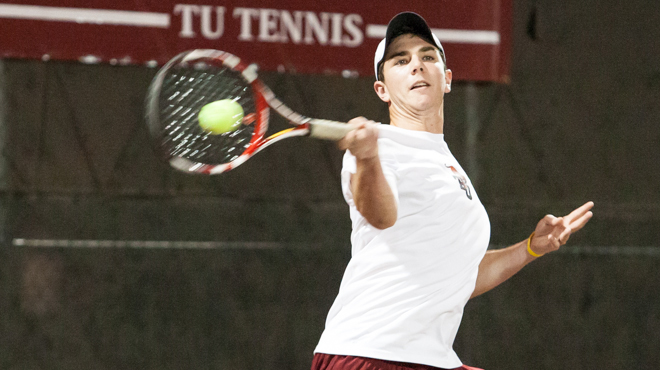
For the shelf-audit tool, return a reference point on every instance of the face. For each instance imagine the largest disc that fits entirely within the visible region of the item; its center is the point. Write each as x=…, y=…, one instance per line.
x=414, y=74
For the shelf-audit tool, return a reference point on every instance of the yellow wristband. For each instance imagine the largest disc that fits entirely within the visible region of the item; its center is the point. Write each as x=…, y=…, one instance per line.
x=529, y=249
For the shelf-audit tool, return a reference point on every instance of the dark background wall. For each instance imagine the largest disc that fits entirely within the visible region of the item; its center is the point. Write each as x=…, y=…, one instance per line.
x=578, y=122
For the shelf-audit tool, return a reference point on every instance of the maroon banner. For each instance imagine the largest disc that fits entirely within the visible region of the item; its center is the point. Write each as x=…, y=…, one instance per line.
x=294, y=36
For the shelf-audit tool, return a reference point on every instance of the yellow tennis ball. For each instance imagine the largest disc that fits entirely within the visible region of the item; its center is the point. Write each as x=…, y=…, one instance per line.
x=220, y=116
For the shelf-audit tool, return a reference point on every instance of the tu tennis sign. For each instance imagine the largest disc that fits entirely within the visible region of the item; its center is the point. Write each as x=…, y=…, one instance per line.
x=272, y=25
x=296, y=36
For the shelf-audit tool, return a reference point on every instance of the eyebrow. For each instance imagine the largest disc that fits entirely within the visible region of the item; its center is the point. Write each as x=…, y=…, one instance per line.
x=405, y=52
x=399, y=54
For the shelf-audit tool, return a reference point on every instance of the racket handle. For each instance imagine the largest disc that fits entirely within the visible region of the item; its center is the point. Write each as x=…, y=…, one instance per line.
x=328, y=130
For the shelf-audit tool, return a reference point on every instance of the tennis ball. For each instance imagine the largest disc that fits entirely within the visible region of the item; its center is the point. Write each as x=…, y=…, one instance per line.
x=220, y=116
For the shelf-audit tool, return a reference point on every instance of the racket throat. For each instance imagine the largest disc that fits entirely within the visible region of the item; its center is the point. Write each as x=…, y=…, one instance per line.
x=328, y=130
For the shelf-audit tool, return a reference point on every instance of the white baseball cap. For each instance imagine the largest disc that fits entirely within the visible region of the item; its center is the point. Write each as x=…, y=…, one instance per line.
x=402, y=23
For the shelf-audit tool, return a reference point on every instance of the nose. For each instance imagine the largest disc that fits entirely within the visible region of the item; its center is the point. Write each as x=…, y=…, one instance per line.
x=416, y=64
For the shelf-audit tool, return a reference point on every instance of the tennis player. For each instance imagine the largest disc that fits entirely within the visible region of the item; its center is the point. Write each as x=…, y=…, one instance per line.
x=420, y=233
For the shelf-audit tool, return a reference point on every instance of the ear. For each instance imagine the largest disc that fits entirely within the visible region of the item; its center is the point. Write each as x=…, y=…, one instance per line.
x=447, y=81
x=381, y=90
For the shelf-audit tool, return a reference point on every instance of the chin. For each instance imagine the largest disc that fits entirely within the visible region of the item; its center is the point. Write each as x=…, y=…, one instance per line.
x=427, y=100
x=424, y=104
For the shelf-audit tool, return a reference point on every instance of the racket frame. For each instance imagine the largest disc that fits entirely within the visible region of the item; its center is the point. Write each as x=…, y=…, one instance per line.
x=264, y=99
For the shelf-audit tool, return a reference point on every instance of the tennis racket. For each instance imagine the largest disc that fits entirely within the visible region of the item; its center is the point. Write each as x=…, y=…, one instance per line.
x=196, y=78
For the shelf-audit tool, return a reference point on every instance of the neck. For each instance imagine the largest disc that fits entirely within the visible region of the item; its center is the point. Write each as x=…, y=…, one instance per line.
x=430, y=121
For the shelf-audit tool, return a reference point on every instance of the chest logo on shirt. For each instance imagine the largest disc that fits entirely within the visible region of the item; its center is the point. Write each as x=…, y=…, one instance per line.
x=462, y=181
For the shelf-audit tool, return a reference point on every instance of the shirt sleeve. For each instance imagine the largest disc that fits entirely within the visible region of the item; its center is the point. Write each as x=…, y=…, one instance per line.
x=387, y=163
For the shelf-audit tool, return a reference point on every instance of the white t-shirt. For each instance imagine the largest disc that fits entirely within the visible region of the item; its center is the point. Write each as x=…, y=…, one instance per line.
x=404, y=289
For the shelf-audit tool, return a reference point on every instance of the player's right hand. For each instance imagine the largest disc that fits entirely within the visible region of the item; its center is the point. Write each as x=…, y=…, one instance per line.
x=363, y=140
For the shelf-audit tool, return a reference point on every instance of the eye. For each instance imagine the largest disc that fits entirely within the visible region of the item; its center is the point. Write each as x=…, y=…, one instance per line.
x=401, y=62
x=429, y=58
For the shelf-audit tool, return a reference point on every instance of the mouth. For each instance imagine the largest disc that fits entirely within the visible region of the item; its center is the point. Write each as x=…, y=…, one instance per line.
x=419, y=85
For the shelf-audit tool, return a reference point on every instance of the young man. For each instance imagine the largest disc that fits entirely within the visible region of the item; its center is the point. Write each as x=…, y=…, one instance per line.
x=420, y=233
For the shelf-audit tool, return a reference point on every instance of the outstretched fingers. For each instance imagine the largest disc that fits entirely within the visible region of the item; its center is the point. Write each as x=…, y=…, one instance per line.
x=580, y=222
x=580, y=216
x=579, y=212
x=553, y=232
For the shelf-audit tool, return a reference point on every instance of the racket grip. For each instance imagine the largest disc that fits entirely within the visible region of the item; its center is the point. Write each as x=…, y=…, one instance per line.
x=328, y=130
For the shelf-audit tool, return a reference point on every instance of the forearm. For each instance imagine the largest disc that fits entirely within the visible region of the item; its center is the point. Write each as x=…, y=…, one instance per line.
x=372, y=194
x=499, y=265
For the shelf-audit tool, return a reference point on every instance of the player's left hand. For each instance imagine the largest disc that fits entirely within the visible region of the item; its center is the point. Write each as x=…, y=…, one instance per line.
x=553, y=232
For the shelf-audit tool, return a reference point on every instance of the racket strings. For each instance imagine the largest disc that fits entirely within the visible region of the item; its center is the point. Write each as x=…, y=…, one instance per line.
x=185, y=90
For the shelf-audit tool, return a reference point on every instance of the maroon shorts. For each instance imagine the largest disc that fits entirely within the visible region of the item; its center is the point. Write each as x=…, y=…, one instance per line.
x=323, y=361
